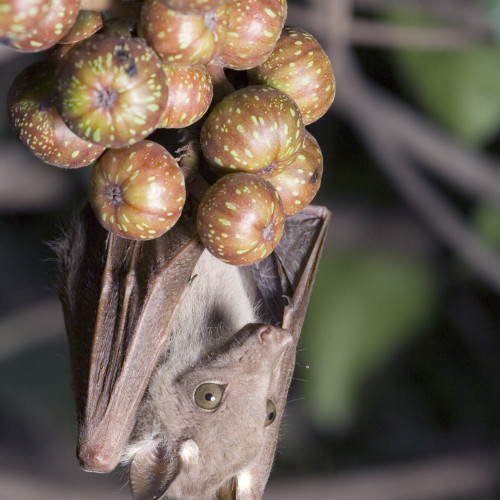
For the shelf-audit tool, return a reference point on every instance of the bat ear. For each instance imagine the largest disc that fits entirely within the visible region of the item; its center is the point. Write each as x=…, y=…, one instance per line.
x=152, y=470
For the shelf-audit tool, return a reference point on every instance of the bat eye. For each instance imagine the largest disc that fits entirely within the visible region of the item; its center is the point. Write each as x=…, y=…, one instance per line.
x=270, y=413
x=209, y=395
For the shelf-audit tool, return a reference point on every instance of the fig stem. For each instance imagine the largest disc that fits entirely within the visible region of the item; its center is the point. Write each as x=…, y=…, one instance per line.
x=222, y=86
x=188, y=160
x=197, y=186
x=116, y=8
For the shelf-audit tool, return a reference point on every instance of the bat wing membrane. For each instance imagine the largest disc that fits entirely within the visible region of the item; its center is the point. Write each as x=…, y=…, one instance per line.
x=117, y=330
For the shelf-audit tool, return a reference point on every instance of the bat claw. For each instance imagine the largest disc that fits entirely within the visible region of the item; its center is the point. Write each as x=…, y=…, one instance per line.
x=289, y=301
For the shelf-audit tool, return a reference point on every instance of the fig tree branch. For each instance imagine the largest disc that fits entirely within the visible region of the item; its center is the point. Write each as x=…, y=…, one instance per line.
x=402, y=141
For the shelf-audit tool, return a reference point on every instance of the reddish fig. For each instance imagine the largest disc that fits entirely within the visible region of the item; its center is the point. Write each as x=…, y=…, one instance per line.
x=112, y=90
x=35, y=120
x=300, y=67
x=189, y=95
x=253, y=28
x=300, y=182
x=240, y=219
x=183, y=38
x=50, y=28
x=19, y=17
x=137, y=192
x=256, y=129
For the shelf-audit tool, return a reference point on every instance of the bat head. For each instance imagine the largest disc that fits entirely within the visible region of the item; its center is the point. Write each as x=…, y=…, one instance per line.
x=199, y=428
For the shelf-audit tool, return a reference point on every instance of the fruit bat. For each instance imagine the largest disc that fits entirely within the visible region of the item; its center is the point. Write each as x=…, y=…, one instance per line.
x=181, y=364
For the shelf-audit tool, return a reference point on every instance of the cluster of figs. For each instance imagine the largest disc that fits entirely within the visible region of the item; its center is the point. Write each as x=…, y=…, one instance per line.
x=239, y=84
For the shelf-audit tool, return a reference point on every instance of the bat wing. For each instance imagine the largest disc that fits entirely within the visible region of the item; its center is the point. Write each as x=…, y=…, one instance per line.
x=285, y=281
x=118, y=297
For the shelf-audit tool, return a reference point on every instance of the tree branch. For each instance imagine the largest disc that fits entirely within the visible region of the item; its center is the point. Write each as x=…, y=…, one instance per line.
x=386, y=35
x=432, y=206
x=397, y=136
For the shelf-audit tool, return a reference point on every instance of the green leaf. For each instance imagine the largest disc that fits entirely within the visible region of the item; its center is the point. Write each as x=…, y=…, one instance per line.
x=460, y=88
x=364, y=308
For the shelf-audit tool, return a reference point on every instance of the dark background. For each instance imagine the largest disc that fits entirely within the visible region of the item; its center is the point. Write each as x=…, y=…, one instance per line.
x=396, y=394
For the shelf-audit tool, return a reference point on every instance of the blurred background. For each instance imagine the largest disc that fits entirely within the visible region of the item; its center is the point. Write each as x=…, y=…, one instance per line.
x=397, y=388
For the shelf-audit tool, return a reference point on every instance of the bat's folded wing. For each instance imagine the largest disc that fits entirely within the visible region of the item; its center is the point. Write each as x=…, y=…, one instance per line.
x=119, y=297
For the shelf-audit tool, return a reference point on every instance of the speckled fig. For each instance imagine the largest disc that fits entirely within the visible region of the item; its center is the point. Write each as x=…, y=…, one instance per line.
x=50, y=28
x=183, y=38
x=253, y=28
x=299, y=183
x=256, y=129
x=299, y=66
x=190, y=93
x=19, y=17
x=86, y=24
x=137, y=192
x=192, y=6
x=112, y=90
x=240, y=219
x=37, y=124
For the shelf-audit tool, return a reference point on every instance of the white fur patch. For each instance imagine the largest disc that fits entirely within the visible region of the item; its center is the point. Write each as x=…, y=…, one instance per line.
x=189, y=451
x=132, y=449
x=244, y=479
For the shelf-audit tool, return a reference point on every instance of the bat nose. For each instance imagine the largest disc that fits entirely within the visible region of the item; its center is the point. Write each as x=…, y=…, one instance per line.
x=274, y=337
